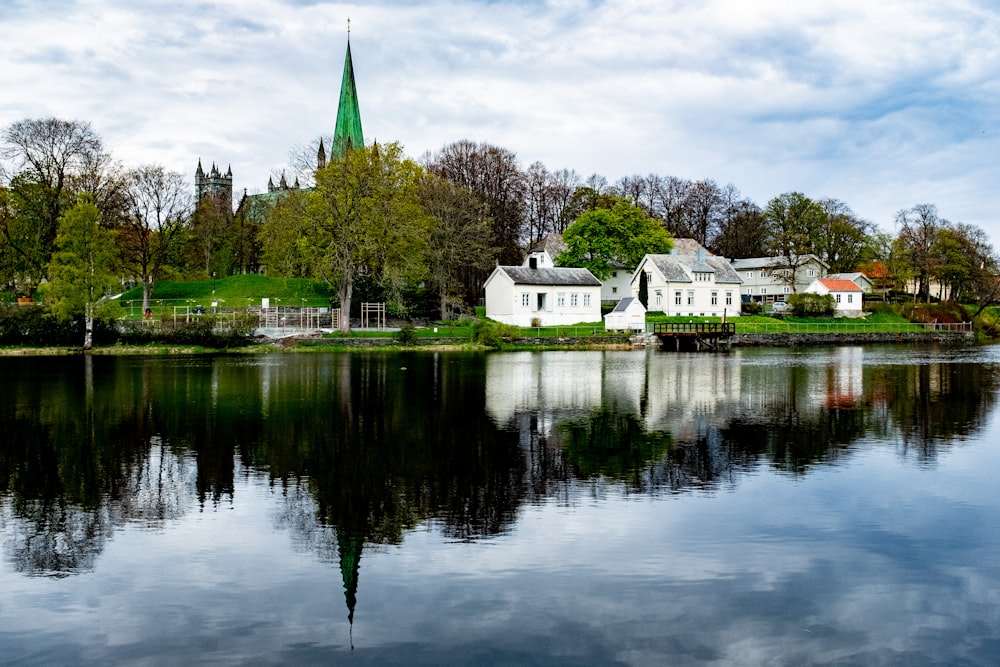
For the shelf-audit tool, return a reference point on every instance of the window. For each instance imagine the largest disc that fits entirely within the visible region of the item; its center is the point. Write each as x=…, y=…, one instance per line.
x=659, y=297
x=850, y=298
x=614, y=274
x=763, y=290
x=677, y=298
x=586, y=299
x=729, y=298
x=690, y=297
x=715, y=298
x=749, y=290
x=703, y=277
x=574, y=300
x=811, y=273
x=561, y=299
x=838, y=298
x=787, y=290
x=614, y=290
x=525, y=299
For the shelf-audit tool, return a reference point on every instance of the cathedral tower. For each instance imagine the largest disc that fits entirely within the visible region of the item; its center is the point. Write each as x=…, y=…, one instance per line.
x=347, y=133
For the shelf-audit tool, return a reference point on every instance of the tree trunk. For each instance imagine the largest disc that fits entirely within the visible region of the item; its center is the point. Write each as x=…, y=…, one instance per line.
x=147, y=295
x=344, y=292
x=88, y=333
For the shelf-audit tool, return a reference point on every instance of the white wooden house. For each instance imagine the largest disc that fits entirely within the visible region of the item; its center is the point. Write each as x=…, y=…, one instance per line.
x=847, y=296
x=538, y=293
x=856, y=277
x=692, y=284
x=628, y=315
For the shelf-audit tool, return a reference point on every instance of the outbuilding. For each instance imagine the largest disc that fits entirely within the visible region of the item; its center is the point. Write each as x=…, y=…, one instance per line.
x=628, y=315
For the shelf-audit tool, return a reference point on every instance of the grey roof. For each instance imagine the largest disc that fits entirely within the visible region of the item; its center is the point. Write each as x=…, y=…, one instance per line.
x=672, y=267
x=689, y=247
x=766, y=262
x=623, y=304
x=854, y=275
x=523, y=275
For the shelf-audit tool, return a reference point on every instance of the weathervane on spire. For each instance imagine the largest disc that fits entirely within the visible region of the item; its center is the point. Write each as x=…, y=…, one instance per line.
x=348, y=28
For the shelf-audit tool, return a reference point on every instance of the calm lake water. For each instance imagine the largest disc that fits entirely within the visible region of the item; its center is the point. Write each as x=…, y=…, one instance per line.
x=778, y=507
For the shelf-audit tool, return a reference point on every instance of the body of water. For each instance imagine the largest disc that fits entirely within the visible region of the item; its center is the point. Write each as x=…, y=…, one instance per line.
x=760, y=507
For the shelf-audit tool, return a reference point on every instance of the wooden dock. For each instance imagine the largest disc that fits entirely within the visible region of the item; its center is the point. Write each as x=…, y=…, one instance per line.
x=693, y=335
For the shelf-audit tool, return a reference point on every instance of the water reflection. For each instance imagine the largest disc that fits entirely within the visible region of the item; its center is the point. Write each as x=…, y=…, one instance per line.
x=360, y=449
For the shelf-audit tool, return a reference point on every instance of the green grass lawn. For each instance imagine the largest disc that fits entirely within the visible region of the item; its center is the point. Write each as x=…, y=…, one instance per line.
x=750, y=324
x=231, y=293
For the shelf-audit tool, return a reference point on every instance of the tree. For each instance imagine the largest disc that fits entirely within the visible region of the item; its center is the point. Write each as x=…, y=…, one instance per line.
x=492, y=173
x=81, y=272
x=459, y=238
x=918, y=230
x=44, y=157
x=793, y=224
x=643, y=290
x=605, y=239
x=159, y=204
x=742, y=232
x=364, y=219
x=843, y=242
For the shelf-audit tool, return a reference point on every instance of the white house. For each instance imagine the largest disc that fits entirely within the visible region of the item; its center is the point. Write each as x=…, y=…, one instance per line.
x=695, y=284
x=628, y=315
x=616, y=286
x=538, y=293
x=847, y=296
x=765, y=278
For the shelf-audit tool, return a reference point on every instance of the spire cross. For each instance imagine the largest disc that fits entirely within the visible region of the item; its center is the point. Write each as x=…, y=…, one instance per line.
x=348, y=27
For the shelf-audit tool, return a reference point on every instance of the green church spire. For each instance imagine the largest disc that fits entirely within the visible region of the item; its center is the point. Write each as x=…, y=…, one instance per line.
x=347, y=134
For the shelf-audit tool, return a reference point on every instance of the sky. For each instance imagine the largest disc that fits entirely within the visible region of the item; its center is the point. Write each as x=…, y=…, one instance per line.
x=881, y=104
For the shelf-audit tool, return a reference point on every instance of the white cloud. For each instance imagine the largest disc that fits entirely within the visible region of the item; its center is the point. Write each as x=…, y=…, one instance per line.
x=882, y=105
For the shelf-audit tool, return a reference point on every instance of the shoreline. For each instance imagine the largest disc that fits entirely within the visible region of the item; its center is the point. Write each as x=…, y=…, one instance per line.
x=307, y=344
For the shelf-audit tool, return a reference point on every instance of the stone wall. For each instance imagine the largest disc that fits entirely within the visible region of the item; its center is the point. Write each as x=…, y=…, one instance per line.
x=805, y=340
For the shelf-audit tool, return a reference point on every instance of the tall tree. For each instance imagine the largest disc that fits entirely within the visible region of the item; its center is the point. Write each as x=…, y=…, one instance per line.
x=492, y=173
x=81, y=272
x=843, y=241
x=608, y=238
x=159, y=206
x=459, y=239
x=42, y=157
x=364, y=219
x=793, y=223
x=742, y=233
x=918, y=230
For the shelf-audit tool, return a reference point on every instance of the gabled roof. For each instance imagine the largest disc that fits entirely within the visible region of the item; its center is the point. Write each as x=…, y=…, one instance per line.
x=853, y=276
x=839, y=285
x=769, y=263
x=523, y=275
x=672, y=267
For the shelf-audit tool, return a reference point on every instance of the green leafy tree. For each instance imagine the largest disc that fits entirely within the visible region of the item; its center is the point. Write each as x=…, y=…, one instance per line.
x=81, y=272
x=608, y=238
x=643, y=290
x=794, y=223
x=364, y=219
x=45, y=157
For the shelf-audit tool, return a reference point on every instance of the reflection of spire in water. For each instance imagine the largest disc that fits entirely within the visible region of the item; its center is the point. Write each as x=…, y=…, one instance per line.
x=349, y=549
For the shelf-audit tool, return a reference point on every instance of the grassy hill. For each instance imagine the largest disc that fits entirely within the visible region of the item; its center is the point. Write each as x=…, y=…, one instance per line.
x=233, y=292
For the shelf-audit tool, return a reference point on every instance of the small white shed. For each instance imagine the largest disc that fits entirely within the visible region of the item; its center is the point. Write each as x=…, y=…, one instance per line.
x=628, y=315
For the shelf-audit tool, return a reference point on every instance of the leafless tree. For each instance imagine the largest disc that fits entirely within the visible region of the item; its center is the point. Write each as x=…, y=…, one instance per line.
x=159, y=205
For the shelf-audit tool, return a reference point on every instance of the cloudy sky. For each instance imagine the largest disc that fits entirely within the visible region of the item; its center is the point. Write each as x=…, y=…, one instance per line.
x=881, y=104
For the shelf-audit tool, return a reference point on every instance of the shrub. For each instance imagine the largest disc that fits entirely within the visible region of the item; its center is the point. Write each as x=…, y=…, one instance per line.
x=751, y=307
x=407, y=334
x=536, y=322
x=494, y=334
x=807, y=304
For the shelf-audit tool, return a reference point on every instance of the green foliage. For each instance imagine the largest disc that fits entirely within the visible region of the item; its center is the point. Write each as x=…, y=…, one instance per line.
x=36, y=326
x=807, y=304
x=494, y=334
x=81, y=271
x=604, y=239
x=751, y=307
x=407, y=334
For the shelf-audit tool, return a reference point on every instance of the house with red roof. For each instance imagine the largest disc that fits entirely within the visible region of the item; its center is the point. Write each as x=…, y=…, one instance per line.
x=847, y=296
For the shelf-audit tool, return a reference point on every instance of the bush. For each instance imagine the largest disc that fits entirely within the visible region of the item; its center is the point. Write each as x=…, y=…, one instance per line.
x=806, y=304
x=35, y=325
x=751, y=307
x=407, y=334
x=494, y=334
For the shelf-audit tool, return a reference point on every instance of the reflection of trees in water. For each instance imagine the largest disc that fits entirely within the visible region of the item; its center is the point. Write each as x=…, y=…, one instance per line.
x=381, y=443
